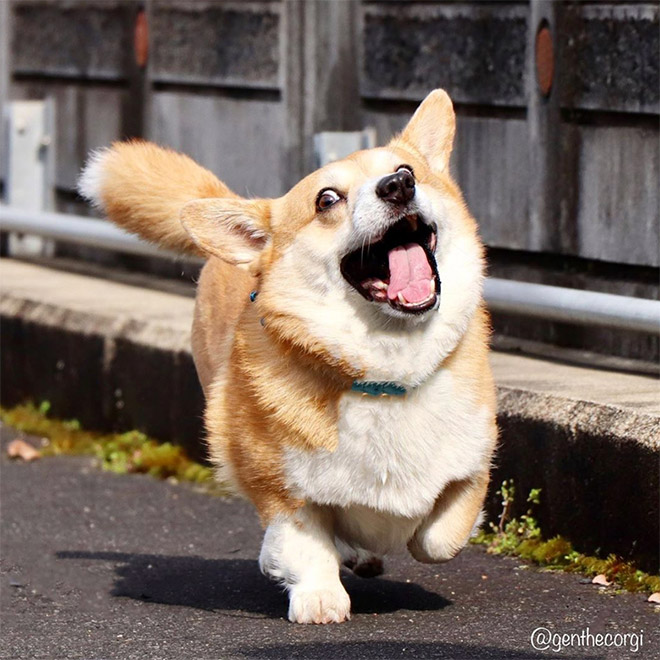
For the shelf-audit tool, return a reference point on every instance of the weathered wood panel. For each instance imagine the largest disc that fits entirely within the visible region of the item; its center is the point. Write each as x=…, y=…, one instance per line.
x=610, y=57
x=609, y=53
x=86, y=118
x=260, y=141
x=71, y=39
x=543, y=141
x=329, y=33
x=229, y=43
x=476, y=52
x=618, y=215
x=240, y=140
x=387, y=122
x=491, y=164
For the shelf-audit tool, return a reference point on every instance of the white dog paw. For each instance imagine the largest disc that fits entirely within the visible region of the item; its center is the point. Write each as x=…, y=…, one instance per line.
x=329, y=605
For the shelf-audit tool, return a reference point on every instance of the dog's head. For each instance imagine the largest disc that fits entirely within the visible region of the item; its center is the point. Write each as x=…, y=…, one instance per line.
x=376, y=254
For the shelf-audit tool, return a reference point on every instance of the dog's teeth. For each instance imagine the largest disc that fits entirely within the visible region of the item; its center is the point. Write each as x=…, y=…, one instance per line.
x=375, y=284
x=432, y=287
x=412, y=219
x=401, y=299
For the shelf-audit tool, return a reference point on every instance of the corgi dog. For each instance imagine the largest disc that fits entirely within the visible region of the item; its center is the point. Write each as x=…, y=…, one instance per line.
x=341, y=341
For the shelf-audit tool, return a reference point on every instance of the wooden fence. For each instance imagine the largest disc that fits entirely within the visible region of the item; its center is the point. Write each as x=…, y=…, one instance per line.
x=557, y=102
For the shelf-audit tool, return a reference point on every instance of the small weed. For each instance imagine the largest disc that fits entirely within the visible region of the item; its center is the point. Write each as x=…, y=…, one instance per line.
x=521, y=537
x=131, y=452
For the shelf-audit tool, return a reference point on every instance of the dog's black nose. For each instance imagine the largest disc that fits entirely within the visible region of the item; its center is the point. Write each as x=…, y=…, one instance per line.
x=397, y=188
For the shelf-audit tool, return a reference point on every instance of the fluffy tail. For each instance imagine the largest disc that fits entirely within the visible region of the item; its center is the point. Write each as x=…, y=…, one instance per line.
x=143, y=187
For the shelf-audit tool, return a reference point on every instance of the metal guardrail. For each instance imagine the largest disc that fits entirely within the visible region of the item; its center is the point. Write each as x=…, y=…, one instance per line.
x=575, y=306
x=521, y=298
x=75, y=229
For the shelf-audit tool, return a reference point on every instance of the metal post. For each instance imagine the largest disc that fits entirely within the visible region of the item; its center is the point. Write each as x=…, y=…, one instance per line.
x=30, y=167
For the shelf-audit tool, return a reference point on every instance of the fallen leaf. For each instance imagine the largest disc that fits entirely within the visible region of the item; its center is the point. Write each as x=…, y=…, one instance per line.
x=601, y=580
x=21, y=449
x=654, y=598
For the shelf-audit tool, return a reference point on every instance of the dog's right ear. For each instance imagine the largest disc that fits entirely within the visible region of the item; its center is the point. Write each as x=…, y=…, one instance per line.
x=431, y=130
x=234, y=229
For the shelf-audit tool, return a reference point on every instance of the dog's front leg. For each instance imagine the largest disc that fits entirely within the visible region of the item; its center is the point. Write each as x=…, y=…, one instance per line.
x=299, y=551
x=445, y=531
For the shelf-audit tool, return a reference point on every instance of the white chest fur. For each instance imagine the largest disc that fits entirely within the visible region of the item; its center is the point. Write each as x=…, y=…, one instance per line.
x=395, y=454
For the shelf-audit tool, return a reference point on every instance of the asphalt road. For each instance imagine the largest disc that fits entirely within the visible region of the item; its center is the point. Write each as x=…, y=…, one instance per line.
x=98, y=565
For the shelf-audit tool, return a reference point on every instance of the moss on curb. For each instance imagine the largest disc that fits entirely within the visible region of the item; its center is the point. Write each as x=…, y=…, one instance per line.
x=521, y=537
x=131, y=452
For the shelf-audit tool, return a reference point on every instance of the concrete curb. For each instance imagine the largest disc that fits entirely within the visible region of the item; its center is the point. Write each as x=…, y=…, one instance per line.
x=111, y=374
x=597, y=463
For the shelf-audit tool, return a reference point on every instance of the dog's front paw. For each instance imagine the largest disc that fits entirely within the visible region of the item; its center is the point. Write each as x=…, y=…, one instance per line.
x=329, y=605
x=430, y=548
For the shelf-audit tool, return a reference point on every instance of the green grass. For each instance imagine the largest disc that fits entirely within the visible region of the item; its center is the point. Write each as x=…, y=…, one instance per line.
x=131, y=452
x=521, y=537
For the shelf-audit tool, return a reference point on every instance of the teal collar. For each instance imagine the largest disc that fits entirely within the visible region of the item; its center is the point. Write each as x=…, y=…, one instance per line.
x=375, y=388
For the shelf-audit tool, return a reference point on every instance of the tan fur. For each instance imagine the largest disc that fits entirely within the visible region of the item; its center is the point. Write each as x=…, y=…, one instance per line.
x=282, y=388
x=232, y=229
x=272, y=385
x=222, y=295
x=276, y=393
x=470, y=367
x=273, y=400
x=451, y=520
x=145, y=187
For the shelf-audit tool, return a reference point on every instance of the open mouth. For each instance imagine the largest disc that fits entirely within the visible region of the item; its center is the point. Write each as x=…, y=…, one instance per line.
x=399, y=268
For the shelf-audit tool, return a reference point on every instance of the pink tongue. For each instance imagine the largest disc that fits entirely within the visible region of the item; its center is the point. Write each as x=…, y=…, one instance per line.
x=410, y=273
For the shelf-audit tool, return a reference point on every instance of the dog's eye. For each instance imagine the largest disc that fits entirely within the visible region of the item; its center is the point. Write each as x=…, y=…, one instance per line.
x=406, y=168
x=326, y=198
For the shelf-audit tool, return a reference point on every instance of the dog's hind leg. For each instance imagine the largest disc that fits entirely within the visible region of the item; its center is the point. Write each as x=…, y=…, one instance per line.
x=363, y=563
x=300, y=552
x=444, y=532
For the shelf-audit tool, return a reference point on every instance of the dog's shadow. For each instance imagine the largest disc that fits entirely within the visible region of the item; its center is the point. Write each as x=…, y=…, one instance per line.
x=237, y=584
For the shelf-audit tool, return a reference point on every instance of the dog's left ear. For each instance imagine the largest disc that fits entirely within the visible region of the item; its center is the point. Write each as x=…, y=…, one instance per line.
x=234, y=229
x=431, y=130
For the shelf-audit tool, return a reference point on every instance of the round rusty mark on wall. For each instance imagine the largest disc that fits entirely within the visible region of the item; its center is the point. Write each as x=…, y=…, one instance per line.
x=141, y=39
x=545, y=59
